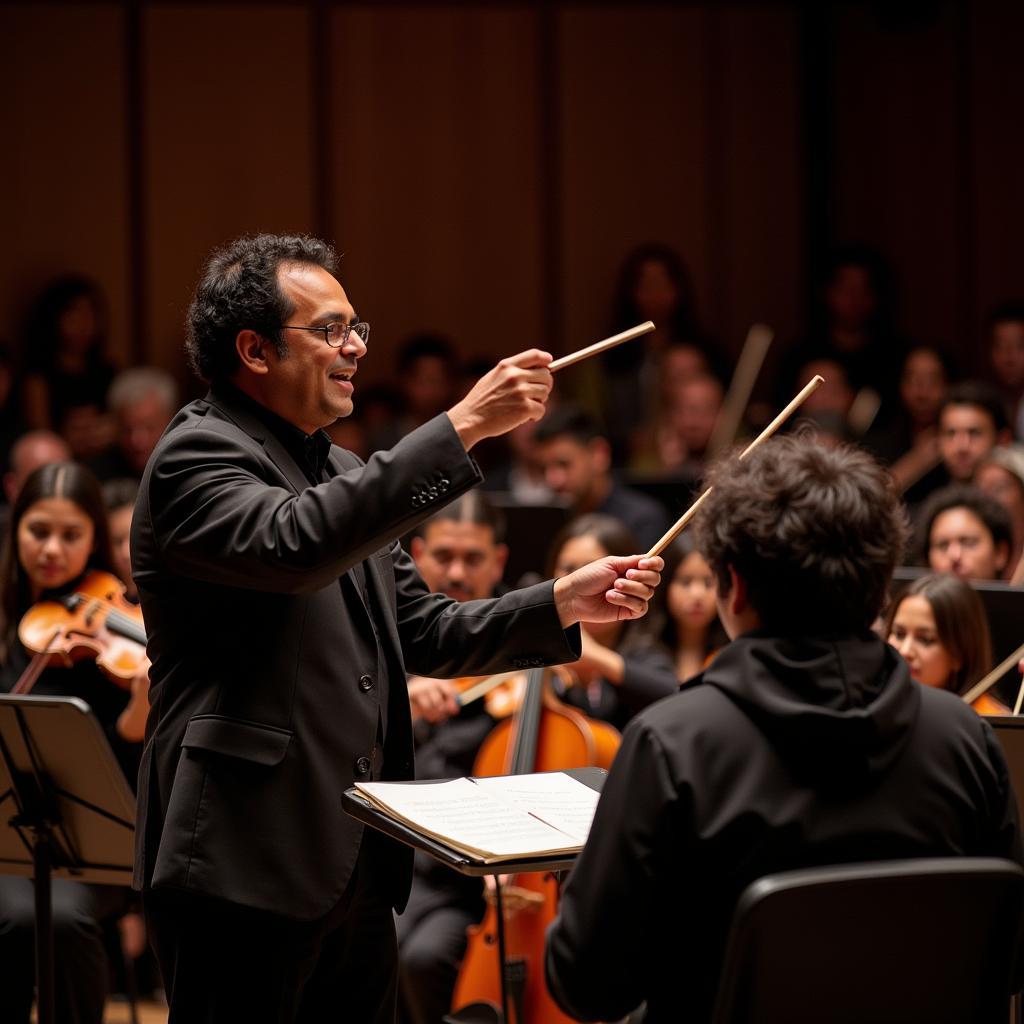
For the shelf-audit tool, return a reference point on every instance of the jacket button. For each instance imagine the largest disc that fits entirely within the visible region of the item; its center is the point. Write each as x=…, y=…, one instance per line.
x=445, y=482
x=362, y=766
x=365, y=683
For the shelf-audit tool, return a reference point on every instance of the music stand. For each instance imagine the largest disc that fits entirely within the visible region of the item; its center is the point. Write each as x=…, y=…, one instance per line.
x=66, y=810
x=362, y=810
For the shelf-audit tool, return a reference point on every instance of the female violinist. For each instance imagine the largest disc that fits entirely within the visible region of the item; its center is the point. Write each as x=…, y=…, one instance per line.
x=940, y=628
x=57, y=534
x=623, y=667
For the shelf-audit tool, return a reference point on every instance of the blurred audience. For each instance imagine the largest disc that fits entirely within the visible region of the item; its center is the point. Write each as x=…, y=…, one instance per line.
x=67, y=371
x=30, y=451
x=1001, y=477
x=966, y=533
x=576, y=458
x=972, y=421
x=1006, y=353
x=143, y=401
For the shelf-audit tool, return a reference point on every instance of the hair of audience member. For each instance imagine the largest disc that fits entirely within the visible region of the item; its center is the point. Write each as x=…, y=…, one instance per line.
x=980, y=395
x=871, y=261
x=684, y=324
x=960, y=621
x=987, y=510
x=814, y=532
x=119, y=492
x=1006, y=313
x=68, y=480
x=472, y=507
x=663, y=624
x=426, y=346
x=43, y=328
x=569, y=421
x=239, y=290
x=139, y=382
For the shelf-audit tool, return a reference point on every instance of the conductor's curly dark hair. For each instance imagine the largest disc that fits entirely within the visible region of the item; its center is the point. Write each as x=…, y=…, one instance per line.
x=239, y=290
x=814, y=532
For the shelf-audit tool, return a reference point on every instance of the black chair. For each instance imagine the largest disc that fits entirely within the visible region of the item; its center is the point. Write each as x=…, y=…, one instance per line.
x=934, y=941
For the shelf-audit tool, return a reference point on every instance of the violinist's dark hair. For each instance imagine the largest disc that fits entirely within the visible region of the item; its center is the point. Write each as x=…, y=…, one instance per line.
x=961, y=624
x=473, y=507
x=239, y=290
x=985, y=509
x=55, y=480
x=814, y=532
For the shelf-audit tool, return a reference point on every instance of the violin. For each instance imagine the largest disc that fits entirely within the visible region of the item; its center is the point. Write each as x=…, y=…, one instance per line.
x=94, y=621
x=542, y=735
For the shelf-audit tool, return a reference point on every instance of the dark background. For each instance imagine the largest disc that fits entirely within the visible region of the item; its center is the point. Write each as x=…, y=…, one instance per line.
x=485, y=167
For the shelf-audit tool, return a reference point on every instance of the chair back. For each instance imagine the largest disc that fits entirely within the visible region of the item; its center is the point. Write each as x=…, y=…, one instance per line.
x=935, y=941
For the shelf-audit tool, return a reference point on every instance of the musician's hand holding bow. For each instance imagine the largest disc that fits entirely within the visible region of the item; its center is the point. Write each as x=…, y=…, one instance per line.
x=432, y=700
x=609, y=589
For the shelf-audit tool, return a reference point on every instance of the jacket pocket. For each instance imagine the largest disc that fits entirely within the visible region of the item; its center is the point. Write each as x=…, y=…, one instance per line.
x=248, y=741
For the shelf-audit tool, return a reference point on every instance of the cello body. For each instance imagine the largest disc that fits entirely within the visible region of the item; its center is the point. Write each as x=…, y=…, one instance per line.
x=545, y=735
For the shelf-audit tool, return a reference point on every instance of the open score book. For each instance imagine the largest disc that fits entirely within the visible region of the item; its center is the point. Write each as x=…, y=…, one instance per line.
x=493, y=819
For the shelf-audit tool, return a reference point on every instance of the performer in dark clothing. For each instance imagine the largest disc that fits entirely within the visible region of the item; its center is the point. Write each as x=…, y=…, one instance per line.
x=804, y=743
x=282, y=617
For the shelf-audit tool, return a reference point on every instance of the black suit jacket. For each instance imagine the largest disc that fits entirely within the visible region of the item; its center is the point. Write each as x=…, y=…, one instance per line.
x=269, y=679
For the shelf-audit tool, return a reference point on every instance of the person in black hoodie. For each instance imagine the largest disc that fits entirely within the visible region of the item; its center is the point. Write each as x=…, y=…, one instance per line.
x=804, y=743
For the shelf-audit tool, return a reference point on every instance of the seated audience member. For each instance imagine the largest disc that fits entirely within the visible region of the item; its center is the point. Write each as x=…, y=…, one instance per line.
x=623, y=667
x=576, y=458
x=57, y=532
x=972, y=421
x=119, y=497
x=907, y=441
x=1001, y=476
x=829, y=407
x=940, y=628
x=519, y=472
x=12, y=419
x=460, y=553
x=427, y=375
x=654, y=284
x=679, y=442
x=966, y=533
x=32, y=450
x=1006, y=353
x=685, y=617
x=802, y=744
x=67, y=373
x=142, y=401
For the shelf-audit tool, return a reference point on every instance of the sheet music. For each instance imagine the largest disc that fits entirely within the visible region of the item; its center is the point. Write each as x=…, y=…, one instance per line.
x=560, y=800
x=467, y=815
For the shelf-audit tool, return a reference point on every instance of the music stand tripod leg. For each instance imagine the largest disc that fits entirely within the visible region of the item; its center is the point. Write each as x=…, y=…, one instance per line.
x=502, y=962
x=44, y=928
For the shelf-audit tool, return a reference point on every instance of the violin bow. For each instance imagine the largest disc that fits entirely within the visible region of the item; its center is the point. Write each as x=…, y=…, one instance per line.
x=752, y=357
x=681, y=523
x=27, y=680
x=986, y=684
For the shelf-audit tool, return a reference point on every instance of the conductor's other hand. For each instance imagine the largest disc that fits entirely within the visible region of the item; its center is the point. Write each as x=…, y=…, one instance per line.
x=515, y=391
x=609, y=589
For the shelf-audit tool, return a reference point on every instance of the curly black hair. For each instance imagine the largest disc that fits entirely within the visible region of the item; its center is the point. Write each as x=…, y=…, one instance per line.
x=814, y=532
x=239, y=290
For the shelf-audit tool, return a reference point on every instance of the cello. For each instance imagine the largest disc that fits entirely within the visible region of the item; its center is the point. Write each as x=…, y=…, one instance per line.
x=543, y=735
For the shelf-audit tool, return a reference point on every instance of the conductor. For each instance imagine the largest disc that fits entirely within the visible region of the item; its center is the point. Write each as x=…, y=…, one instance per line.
x=283, y=618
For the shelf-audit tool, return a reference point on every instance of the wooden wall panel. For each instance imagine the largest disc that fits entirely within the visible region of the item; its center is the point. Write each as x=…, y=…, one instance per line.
x=229, y=142
x=997, y=162
x=896, y=158
x=435, y=167
x=635, y=167
x=63, y=171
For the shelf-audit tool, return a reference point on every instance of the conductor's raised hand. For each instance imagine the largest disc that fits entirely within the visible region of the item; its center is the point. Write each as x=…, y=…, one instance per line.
x=609, y=589
x=515, y=391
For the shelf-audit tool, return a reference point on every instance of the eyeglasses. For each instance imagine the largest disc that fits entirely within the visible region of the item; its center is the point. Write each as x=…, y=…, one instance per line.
x=336, y=335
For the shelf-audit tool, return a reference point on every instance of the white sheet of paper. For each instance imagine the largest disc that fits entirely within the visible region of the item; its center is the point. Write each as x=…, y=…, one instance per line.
x=463, y=811
x=553, y=797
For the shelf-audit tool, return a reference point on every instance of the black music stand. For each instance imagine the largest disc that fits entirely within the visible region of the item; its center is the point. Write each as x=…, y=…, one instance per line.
x=66, y=810
x=361, y=809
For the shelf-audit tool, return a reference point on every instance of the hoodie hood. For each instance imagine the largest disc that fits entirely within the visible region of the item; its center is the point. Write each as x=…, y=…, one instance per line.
x=838, y=710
